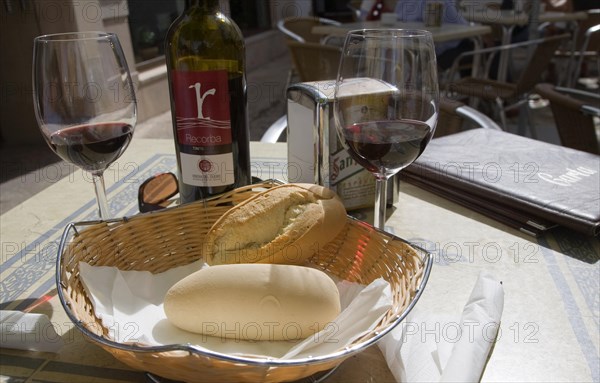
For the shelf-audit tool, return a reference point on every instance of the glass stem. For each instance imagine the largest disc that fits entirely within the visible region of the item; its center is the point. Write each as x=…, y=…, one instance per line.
x=101, y=196
x=380, y=201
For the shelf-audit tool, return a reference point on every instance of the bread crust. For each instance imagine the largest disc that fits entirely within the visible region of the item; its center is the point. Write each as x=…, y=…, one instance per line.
x=286, y=224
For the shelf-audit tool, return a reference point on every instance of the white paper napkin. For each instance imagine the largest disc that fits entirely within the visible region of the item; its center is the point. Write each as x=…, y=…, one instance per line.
x=129, y=303
x=28, y=331
x=440, y=348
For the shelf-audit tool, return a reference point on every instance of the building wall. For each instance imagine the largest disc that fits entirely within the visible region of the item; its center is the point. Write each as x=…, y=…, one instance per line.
x=18, y=27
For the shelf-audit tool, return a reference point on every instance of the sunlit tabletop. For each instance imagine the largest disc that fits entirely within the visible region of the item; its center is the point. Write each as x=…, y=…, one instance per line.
x=549, y=329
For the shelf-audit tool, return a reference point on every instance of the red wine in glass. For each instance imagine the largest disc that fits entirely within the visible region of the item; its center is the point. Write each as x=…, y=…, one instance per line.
x=387, y=146
x=92, y=147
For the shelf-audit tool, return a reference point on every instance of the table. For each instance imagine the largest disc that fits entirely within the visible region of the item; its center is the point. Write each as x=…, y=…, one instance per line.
x=549, y=330
x=508, y=20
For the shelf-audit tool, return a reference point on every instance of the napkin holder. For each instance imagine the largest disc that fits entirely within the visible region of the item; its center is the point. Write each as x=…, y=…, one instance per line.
x=316, y=155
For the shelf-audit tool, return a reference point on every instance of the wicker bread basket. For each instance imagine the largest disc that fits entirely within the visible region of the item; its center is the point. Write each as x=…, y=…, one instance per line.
x=173, y=237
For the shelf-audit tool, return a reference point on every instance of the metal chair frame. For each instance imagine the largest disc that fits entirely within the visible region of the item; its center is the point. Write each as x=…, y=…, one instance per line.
x=590, y=34
x=540, y=53
x=284, y=26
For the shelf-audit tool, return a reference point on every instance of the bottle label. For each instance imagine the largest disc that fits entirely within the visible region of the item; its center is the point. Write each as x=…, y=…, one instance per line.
x=203, y=127
x=209, y=170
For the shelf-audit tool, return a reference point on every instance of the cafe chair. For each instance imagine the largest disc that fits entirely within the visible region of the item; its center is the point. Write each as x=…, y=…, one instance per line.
x=314, y=61
x=584, y=50
x=300, y=28
x=456, y=117
x=504, y=96
x=576, y=113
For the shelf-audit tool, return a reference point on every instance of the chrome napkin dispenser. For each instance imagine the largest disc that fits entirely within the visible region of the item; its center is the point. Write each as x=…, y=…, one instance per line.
x=316, y=155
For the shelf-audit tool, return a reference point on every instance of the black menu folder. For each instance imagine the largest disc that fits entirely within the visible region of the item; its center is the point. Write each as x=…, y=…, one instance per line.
x=525, y=183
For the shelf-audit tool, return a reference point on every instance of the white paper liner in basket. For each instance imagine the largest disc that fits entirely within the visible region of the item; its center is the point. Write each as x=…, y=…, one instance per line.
x=130, y=305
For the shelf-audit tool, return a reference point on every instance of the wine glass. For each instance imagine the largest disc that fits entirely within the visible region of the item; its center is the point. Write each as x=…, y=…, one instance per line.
x=84, y=101
x=386, y=102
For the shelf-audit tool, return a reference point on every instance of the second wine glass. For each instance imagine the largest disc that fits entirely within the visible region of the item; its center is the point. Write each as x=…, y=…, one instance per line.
x=386, y=102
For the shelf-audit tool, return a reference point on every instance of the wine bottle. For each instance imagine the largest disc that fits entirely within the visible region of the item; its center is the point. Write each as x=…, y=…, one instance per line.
x=205, y=58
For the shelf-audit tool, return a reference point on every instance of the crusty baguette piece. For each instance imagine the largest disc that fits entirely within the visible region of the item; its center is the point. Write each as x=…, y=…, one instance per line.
x=254, y=302
x=286, y=224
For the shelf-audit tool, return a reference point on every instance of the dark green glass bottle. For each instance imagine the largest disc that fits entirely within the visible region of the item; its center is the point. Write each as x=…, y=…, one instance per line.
x=206, y=67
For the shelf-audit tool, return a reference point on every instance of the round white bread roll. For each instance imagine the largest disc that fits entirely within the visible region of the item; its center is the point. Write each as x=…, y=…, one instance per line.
x=254, y=302
x=286, y=224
